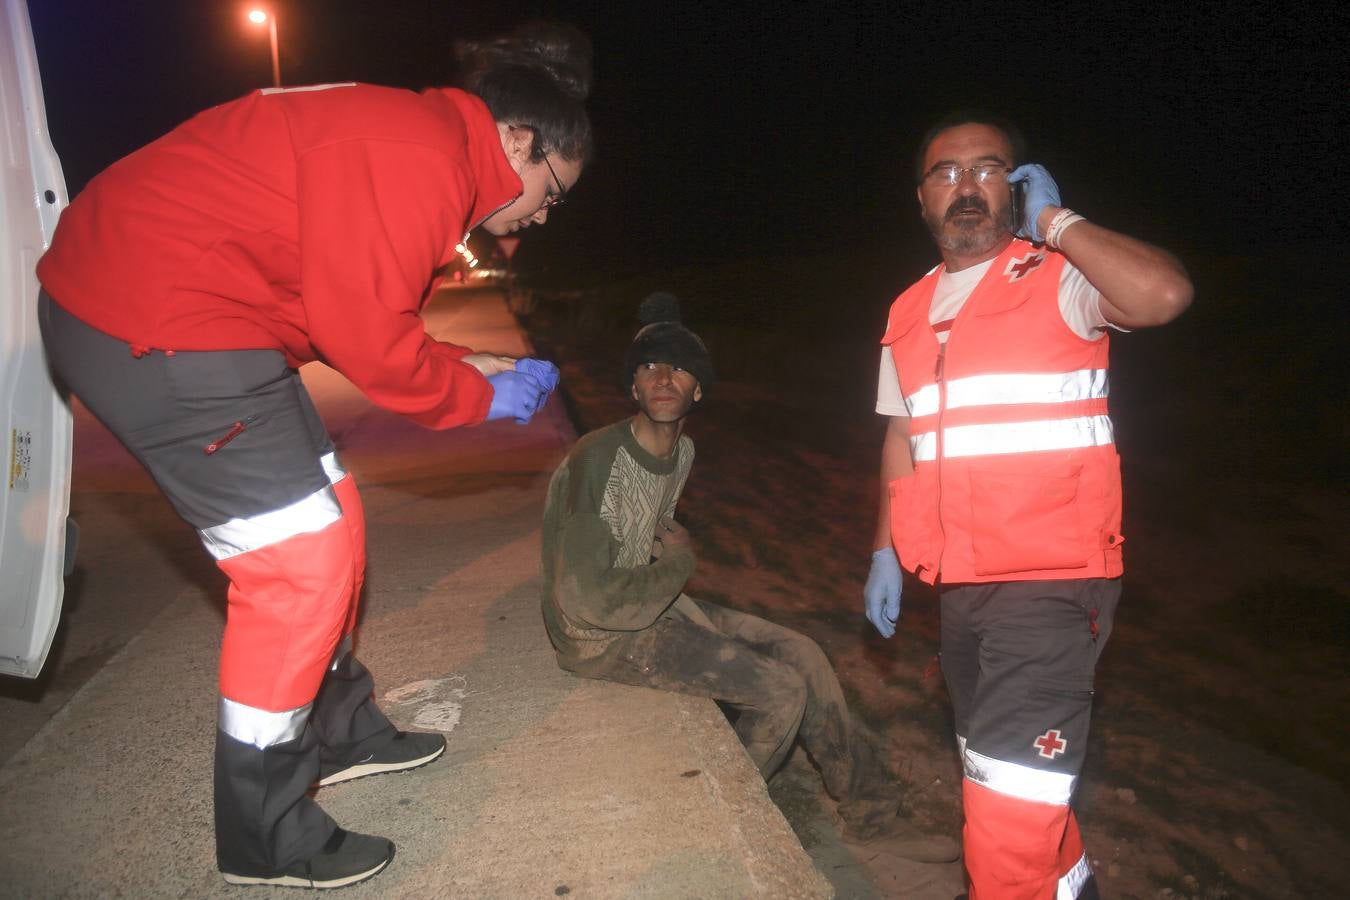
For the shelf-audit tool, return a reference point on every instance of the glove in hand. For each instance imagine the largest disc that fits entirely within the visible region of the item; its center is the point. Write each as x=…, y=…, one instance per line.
x=881, y=595
x=1041, y=191
x=541, y=370
x=515, y=395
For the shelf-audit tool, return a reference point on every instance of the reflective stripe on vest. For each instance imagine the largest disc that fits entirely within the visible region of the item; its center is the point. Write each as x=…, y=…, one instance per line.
x=1022, y=782
x=1014, y=437
x=1052, y=387
x=923, y=402
x=314, y=513
x=1013, y=388
x=259, y=727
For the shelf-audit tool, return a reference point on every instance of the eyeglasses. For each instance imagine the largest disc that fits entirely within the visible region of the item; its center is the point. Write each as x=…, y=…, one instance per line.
x=950, y=175
x=554, y=199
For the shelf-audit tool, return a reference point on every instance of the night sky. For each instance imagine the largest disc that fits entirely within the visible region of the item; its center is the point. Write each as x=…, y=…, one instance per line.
x=728, y=131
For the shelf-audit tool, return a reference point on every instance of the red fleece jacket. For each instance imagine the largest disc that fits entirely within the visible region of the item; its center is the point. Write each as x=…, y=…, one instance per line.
x=307, y=220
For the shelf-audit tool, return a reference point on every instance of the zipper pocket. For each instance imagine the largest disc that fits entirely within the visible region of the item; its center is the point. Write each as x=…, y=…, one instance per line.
x=235, y=430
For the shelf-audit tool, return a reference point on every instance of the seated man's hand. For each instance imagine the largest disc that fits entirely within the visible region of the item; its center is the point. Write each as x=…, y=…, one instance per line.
x=671, y=533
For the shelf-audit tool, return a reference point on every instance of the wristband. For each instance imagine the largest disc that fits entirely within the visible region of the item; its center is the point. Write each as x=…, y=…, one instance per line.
x=1052, y=229
x=1064, y=226
x=1058, y=225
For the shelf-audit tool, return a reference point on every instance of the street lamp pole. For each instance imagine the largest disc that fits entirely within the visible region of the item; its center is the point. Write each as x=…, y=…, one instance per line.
x=257, y=17
x=276, y=60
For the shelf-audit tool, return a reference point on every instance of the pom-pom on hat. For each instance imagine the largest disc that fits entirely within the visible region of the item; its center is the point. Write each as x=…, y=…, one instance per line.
x=662, y=339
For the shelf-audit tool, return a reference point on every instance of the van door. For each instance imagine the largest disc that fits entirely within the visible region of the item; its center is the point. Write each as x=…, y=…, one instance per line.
x=35, y=420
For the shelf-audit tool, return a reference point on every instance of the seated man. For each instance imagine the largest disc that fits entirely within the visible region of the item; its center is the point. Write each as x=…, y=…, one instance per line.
x=615, y=565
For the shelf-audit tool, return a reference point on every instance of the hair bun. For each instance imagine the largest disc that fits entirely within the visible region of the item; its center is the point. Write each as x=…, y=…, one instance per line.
x=561, y=49
x=560, y=52
x=661, y=306
x=538, y=78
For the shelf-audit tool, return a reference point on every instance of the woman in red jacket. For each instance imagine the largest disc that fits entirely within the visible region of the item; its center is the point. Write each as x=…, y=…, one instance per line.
x=184, y=287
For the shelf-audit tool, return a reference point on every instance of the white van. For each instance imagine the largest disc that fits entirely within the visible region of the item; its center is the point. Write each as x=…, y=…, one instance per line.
x=37, y=539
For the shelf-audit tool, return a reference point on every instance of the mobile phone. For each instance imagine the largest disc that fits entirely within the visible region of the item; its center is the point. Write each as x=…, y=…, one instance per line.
x=1019, y=190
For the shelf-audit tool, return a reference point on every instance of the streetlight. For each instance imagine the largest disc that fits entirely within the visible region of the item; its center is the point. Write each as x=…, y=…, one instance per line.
x=257, y=17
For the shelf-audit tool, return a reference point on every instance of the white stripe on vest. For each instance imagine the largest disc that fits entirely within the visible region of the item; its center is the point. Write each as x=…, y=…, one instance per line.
x=1027, y=387
x=1010, y=389
x=1014, y=437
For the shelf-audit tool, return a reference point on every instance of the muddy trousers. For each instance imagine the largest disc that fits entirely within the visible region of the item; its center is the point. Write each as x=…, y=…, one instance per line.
x=780, y=686
x=1019, y=659
x=235, y=444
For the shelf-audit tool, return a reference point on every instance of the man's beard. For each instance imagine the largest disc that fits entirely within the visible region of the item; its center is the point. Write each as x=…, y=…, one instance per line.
x=967, y=238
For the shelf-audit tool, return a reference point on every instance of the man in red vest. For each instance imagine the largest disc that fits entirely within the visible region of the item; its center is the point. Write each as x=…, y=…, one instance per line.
x=1001, y=483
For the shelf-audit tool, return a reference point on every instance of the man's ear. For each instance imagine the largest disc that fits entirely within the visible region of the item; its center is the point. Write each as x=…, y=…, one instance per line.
x=517, y=143
x=698, y=392
x=633, y=390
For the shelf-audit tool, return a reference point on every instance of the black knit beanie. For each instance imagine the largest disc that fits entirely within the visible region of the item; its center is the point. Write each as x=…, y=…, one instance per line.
x=662, y=339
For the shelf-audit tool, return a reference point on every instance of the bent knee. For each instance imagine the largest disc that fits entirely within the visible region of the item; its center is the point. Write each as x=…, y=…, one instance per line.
x=787, y=686
x=804, y=655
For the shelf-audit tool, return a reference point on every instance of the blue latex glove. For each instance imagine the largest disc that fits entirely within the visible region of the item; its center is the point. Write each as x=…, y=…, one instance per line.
x=515, y=395
x=881, y=596
x=541, y=370
x=1041, y=191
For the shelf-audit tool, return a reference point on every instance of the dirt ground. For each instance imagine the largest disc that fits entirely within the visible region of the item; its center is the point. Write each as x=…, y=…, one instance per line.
x=1217, y=763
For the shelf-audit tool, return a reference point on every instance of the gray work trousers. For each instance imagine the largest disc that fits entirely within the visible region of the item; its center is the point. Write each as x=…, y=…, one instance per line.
x=1019, y=659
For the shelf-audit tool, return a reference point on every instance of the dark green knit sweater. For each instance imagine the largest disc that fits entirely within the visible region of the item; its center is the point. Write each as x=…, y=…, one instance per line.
x=600, y=580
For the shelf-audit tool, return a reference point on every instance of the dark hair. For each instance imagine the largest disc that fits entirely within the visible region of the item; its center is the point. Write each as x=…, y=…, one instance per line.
x=538, y=77
x=971, y=117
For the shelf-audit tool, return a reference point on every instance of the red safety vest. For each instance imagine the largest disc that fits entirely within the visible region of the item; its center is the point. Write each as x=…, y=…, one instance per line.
x=1016, y=476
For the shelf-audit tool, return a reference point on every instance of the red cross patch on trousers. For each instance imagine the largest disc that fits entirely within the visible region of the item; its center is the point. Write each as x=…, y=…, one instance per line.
x=1050, y=744
x=1019, y=268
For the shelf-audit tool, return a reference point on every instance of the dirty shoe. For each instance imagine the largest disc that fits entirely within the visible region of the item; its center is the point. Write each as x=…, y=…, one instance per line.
x=899, y=837
x=345, y=859
x=408, y=750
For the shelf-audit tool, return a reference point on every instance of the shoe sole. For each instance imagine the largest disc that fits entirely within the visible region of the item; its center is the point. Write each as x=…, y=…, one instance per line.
x=297, y=881
x=367, y=769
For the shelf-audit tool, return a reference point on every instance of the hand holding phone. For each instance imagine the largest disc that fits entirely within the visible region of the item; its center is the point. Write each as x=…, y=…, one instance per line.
x=1019, y=193
x=1038, y=190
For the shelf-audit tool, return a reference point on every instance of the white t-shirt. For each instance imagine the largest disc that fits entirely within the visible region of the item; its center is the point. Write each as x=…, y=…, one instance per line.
x=1079, y=303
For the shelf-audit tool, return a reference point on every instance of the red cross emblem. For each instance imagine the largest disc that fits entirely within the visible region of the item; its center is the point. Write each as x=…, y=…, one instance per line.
x=1050, y=744
x=1019, y=268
